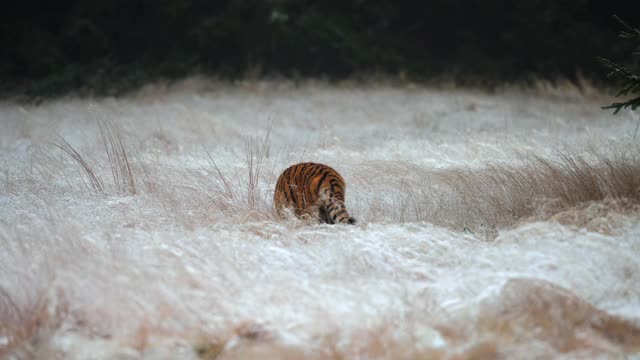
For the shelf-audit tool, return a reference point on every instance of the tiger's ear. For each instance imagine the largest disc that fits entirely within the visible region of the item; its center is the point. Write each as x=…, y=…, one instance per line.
x=352, y=221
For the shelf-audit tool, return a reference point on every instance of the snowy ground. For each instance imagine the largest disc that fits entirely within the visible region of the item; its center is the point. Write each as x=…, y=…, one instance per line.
x=175, y=252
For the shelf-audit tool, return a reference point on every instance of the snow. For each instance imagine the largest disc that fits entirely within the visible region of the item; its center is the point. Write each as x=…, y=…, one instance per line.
x=182, y=264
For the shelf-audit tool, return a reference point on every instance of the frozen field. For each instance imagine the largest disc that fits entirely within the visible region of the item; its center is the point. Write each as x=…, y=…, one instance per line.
x=499, y=225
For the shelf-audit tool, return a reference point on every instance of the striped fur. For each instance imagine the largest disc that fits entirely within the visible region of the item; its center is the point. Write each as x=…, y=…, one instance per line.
x=312, y=190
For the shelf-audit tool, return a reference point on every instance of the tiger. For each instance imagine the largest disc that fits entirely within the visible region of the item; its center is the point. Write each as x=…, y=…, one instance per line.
x=312, y=190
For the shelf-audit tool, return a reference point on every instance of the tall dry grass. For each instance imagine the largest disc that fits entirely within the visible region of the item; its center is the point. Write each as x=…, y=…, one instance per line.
x=255, y=153
x=503, y=194
x=477, y=200
x=95, y=181
x=119, y=160
x=246, y=191
x=189, y=194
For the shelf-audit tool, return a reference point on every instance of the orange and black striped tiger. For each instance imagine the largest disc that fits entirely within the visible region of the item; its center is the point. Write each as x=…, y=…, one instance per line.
x=312, y=190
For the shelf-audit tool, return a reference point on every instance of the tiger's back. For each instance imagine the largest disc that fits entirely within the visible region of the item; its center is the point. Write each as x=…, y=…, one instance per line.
x=312, y=189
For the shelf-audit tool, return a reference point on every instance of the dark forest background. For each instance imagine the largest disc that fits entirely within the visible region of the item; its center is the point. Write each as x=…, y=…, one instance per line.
x=101, y=46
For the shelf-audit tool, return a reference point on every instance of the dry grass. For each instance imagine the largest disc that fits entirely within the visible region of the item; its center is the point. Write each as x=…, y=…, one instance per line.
x=190, y=195
x=570, y=322
x=119, y=160
x=568, y=188
x=158, y=253
x=240, y=192
x=95, y=182
x=255, y=154
x=249, y=191
x=501, y=195
x=23, y=324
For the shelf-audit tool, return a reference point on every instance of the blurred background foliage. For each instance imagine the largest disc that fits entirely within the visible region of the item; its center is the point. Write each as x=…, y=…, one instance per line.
x=111, y=46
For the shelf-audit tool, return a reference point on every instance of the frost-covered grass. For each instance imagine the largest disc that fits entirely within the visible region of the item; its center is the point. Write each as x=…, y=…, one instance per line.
x=490, y=226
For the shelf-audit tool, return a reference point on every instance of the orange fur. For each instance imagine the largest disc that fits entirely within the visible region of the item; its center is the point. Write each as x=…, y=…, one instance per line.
x=312, y=190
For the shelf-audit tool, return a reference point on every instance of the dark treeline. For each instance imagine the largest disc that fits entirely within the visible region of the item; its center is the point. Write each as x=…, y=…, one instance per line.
x=52, y=47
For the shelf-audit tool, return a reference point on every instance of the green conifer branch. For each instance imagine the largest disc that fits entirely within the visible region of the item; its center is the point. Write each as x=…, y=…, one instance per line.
x=630, y=81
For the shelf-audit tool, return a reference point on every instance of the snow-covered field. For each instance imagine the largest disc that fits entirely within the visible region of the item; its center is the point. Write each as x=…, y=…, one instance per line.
x=142, y=227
